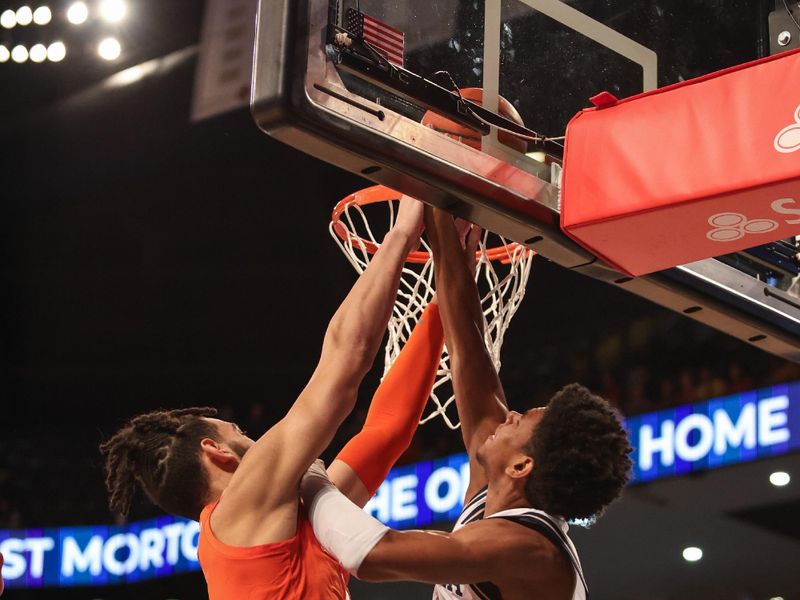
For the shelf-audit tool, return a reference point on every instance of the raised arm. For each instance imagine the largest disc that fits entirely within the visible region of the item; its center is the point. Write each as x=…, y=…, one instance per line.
x=488, y=550
x=269, y=475
x=394, y=412
x=480, y=399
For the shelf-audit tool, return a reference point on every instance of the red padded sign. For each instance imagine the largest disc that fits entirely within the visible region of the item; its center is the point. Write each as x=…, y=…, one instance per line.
x=698, y=169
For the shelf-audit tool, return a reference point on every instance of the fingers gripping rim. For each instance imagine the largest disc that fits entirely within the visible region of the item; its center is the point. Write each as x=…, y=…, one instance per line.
x=380, y=193
x=501, y=275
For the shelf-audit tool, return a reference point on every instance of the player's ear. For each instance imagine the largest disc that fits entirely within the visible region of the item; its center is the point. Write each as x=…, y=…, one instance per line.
x=218, y=454
x=521, y=467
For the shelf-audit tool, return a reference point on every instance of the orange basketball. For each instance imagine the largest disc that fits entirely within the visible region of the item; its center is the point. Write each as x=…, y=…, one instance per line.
x=470, y=136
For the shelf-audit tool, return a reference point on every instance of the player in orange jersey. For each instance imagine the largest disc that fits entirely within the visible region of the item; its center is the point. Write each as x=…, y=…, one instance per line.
x=255, y=540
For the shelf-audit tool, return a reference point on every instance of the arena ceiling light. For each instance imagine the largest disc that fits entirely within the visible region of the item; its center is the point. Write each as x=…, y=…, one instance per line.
x=42, y=15
x=77, y=13
x=56, y=52
x=780, y=478
x=24, y=15
x=692, y=554
x=109, y=49
x=19, y=54
x=5, y=54
x=38, y=53
x=113, y=10
x=8, y=19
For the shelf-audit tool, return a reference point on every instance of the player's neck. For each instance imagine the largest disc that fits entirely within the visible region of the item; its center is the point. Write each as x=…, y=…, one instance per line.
x=503, y=494
x=218, y=480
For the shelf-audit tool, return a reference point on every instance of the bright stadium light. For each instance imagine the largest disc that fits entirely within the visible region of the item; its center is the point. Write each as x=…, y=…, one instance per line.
x=692, y=554
x=38, y=53
x=113, y=10
x=77, y=13
x=42, y=15
x=24, y=15
x=779, y=478
x=19, y=54
x=8, y=19
x=109, y=49
x=5, y=54
x=56, y=52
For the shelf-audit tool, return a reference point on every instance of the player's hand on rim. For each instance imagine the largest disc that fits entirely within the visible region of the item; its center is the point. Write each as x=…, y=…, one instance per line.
x=470, y=236
x=410, y=218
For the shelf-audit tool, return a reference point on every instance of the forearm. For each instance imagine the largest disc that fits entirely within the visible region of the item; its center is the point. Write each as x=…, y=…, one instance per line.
x=342, y=528
x=459, y=302
x=410, y=556
x=397, y=405
x=360, y=322
x=460, y=305
x=371, y=551
x=479, y=395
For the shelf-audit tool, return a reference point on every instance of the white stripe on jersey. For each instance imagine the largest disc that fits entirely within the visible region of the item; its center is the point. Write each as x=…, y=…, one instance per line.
x=473, y=511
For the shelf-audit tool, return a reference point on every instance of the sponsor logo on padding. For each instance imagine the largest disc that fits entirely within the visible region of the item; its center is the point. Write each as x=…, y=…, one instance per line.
x=730, y=226
x=788, y=138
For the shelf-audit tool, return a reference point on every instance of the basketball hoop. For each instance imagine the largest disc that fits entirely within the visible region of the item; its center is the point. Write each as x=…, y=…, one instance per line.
x=501, y=273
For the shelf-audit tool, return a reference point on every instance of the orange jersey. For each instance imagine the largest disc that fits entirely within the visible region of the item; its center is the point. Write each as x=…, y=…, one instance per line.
x=293, y=569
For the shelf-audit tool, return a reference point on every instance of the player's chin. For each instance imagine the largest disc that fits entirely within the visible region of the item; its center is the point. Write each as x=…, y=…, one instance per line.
x=483, y=450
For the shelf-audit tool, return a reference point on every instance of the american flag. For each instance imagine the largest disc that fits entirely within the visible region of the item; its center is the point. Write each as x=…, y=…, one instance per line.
x=390, y=42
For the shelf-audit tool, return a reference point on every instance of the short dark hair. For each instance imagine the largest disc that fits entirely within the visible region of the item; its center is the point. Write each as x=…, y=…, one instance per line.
x=580, y=452
x=161, y=451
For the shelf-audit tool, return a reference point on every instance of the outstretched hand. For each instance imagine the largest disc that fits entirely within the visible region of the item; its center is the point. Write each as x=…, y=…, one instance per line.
x=314, y=481
x=470, y=236
x=316, y=470
x=444, y=230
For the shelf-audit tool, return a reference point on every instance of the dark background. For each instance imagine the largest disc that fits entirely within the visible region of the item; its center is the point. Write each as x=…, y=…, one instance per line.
x=146, y=262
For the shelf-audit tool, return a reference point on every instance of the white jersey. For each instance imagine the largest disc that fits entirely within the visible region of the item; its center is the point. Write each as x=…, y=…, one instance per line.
x=553, y=528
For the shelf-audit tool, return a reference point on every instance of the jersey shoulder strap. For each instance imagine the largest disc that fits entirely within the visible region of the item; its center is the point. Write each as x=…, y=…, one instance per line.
x=473, y=510
x=552, y=528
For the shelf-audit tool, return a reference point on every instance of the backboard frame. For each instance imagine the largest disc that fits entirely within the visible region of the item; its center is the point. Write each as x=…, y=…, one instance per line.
x=298, y=99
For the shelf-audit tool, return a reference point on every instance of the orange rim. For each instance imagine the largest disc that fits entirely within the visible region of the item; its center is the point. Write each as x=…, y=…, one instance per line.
x=381, y=193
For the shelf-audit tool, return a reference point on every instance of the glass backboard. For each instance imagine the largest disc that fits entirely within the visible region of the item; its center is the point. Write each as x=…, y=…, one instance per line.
x=360, y=83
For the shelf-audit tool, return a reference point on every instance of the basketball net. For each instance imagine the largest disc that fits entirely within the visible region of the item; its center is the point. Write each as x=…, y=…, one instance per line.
x=501, y=275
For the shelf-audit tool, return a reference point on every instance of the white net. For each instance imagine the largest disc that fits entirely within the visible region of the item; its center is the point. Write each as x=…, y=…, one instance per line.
x=501, y=284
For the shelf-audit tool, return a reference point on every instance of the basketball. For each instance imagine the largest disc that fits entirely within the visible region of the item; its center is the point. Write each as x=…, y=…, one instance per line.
x=470, y=136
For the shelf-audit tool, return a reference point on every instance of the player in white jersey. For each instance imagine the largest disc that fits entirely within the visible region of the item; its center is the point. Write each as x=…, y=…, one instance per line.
x=553, y=528
x=529, y=473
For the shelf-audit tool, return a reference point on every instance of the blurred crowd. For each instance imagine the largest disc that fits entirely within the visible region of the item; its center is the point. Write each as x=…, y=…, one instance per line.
x=56, y=479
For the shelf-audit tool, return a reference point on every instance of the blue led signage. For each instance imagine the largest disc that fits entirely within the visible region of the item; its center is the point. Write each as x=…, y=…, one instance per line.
x=723, y=431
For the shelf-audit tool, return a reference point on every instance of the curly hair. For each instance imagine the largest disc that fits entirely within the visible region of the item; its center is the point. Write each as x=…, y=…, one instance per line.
x=580, y=452
x=161, y=451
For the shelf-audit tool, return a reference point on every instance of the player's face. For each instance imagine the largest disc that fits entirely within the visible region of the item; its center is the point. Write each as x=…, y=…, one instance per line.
x=511, y=438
